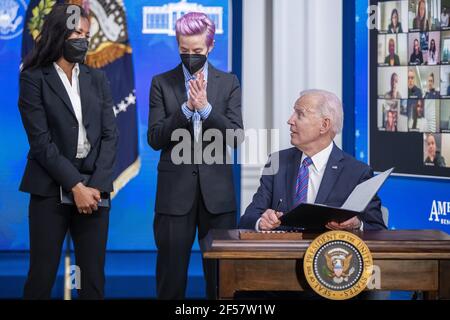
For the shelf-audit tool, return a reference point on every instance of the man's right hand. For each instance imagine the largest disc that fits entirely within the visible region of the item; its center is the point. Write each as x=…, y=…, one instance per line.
x=270, y=220
x=85, y=198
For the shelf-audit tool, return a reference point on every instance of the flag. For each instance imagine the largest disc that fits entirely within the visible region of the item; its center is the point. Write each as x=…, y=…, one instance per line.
x=110, y=51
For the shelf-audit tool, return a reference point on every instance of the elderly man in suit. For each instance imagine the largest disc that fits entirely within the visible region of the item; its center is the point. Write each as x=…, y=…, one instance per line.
x=315, y=170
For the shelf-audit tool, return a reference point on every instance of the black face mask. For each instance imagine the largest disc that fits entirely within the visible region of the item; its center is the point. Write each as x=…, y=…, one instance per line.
x=75, y=50
x=193, y=62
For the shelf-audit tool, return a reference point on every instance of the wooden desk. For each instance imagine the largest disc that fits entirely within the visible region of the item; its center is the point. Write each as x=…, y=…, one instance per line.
x=411, y=260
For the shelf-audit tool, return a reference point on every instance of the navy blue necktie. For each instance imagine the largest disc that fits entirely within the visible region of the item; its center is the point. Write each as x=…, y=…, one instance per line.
x=301, y=187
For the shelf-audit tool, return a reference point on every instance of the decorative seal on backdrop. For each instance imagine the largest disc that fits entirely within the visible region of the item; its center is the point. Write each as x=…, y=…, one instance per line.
x=338, y=265
x=12, y=15
x=109, y=36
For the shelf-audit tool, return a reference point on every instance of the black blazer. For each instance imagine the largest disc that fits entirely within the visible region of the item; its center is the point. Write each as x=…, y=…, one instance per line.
x=342, y=174
x=177, y=184
x=52, y=130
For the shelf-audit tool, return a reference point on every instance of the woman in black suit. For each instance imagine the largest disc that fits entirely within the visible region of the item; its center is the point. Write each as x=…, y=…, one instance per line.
x=67, y=112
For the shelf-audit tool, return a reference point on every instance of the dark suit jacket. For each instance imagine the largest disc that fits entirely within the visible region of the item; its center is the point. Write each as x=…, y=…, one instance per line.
x=396, y=60
x=399, y=28
x=52, y=130
x=177, y=184
x=336, y=186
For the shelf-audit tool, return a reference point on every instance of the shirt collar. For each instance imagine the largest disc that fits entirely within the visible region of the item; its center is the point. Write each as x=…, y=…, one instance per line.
x=76, y=68
x=188, y=76
x=320, y=159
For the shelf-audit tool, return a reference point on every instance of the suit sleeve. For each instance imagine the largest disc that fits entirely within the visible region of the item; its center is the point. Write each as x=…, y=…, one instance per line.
x=161, y=125
x=372, y=216
x=261, y=201
x=232, y=119
x=104, y=165
x=42, y=148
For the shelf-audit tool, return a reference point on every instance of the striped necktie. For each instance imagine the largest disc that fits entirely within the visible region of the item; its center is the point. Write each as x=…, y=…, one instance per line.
x=301, y=187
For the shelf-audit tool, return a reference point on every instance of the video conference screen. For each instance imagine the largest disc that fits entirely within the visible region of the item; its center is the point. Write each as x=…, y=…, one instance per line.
x=409, y=114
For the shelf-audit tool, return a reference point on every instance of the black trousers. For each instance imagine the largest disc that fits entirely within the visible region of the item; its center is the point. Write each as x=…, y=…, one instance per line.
x=174, y=236
x=49, y=222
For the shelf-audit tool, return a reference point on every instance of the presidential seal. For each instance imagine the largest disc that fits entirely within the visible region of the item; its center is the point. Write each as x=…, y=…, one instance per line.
x=338, y=265
x=11, y=18
x=109, y=35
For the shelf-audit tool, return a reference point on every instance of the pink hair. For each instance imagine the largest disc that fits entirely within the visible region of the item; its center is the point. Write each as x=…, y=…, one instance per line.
x=195, y=23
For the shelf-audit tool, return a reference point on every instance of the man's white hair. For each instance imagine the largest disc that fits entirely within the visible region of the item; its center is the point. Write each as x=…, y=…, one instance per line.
x=329, y=106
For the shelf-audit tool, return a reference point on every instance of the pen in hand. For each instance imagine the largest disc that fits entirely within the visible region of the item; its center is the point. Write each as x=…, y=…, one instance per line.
x=280, y=202
x=270, y=218
x=277, y=211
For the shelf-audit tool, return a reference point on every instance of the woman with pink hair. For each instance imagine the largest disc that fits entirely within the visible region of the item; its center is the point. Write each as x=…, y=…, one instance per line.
x=193, y=194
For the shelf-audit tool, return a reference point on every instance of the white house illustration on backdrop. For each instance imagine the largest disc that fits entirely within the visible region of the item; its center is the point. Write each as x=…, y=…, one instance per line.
x=161, y=20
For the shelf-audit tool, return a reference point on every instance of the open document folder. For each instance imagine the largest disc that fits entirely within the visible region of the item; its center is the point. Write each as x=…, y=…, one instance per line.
x=315, y=216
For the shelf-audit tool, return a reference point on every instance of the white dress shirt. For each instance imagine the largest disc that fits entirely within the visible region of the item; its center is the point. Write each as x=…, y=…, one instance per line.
x=316, y=171
x=73, y=91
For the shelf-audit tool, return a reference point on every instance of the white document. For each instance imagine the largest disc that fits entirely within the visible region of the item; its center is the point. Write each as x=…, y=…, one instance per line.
x=364, y=192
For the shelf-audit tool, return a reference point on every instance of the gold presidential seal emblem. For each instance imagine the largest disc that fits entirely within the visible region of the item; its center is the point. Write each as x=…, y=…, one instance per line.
x=338, y=265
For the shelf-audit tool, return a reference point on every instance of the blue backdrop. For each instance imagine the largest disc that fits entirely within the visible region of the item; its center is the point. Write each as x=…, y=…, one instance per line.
x=410, y=200
x=132, y=211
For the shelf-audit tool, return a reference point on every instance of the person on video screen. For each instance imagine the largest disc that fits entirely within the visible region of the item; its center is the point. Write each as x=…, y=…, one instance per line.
x=433, y=156
x=432, y=54
x=420, y=21
x=418, y=121
x=431, y=93
x=391, y=121
x=416, y=57
x=392, y=59
x=395, y=26
x=413, y=90
x=393, y=93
